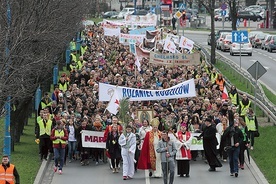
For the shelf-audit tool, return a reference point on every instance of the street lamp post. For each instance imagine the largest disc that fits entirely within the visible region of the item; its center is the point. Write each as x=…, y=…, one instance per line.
x=7, y=139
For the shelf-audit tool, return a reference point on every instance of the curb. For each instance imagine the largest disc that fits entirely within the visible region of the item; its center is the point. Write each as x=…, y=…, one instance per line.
x=41, y=172
x=254, y=169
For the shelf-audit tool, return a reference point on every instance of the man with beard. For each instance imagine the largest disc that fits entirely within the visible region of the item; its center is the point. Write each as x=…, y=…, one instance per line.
x=209, y=145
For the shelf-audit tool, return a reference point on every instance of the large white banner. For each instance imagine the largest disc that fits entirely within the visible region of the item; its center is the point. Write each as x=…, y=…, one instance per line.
x=126, y=38
x=196, y=144
x=141, y=20
x=112, y=31
x=172, y=59
x=92, y=139
x=181, y=90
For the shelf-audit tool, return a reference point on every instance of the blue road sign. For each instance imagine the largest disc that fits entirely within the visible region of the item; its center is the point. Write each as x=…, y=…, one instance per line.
x=223, y=12
x=182, y=6
x=239, y=36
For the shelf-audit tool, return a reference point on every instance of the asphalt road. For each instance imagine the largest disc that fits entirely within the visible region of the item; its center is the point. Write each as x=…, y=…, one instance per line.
x=101, y=174
x=267, y=59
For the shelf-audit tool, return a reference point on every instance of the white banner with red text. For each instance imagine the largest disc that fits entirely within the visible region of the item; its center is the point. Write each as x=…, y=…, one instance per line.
x=92, y=139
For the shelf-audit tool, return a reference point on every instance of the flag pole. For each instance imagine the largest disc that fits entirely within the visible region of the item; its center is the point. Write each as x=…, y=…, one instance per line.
x=135, y=71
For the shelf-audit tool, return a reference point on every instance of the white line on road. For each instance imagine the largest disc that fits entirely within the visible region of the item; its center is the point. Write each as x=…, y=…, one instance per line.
x=147, y=176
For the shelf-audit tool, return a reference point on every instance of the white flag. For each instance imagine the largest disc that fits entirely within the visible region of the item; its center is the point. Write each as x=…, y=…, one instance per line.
x=138, y=64
x=113, y=104
x=169, y=46
x=186, y=43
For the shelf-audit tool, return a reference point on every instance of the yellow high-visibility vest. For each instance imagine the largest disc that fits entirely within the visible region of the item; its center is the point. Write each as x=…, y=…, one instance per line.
x=45, y=129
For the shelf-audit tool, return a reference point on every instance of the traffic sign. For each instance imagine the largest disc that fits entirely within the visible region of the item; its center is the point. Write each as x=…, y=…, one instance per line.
x=182, y=6
x=223, y=12
x=239, y=36
x=223, y=6
x=257, y=70
x=178, y=14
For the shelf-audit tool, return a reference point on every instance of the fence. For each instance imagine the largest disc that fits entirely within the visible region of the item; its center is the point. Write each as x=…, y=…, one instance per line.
x=261, y=100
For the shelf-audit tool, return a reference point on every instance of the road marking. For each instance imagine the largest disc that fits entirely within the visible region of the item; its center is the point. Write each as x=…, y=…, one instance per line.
x=266, y=67
x=147, y=176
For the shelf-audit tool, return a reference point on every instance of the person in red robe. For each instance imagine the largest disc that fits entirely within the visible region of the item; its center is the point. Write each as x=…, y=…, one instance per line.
x=149, y=159
x=183, y=155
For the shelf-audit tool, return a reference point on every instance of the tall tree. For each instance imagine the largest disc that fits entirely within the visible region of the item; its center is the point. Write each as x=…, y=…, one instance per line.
x=210, y=7
x=39, y=32
x=233, y=7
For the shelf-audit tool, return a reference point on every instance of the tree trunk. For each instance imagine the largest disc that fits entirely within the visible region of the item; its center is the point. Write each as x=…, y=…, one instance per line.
x=19, y=118
x=213, y=41
x=233, y=13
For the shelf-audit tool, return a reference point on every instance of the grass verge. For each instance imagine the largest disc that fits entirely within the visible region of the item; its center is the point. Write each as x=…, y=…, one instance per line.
x=25, y=155
x=263, y=152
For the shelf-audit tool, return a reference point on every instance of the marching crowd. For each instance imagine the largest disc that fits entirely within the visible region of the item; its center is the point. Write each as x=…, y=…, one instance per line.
x=153, y=144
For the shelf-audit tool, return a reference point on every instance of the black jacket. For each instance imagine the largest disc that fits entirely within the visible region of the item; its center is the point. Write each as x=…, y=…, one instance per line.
x=234, y=132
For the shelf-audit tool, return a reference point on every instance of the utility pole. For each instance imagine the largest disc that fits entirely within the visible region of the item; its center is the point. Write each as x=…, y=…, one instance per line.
x=7, y=139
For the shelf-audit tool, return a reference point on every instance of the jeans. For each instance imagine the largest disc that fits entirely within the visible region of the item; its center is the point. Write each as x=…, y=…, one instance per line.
x=71, y=149
x=171, y=169
x=59, y=154
x=233, y=155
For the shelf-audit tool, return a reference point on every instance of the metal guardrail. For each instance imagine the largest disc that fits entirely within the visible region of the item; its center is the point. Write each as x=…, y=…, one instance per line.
x=262, y=101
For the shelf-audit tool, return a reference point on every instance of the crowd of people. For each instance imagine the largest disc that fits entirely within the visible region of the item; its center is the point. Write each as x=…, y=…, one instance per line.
x=74, y=106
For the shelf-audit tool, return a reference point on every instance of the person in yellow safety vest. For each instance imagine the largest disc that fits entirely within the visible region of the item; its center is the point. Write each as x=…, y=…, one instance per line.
x=213, y=75
x=234, y=96
x=45, y=126
x=73, y=67
x=244, y=105
x=80, y=63
x=220, y=82
x=72, y=44
x=59, y=136
x=8, y=172
x=83, y=48
x=252, y=125
x=46, y=101
x=73, y=56
x=63, y=83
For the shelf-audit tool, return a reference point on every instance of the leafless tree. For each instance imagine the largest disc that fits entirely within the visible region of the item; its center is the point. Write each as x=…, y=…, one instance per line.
x=210, y=7
x=39, y=32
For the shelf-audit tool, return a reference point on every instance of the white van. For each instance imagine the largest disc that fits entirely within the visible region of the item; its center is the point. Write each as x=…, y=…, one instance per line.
x=125, y=12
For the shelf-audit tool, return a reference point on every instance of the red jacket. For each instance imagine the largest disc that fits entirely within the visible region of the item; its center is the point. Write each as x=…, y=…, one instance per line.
x=63, y=138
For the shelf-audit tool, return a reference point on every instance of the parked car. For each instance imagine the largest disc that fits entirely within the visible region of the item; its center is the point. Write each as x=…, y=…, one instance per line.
x=125, y=12
x=110, y=14
x=220, y=39
x=243, y=48
x=252, y=34
x=226, y=43
x=140, y=12
x=217, y=34
x=249, y=15
x=271, y=44
x=257, y=40
x=265, y=42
